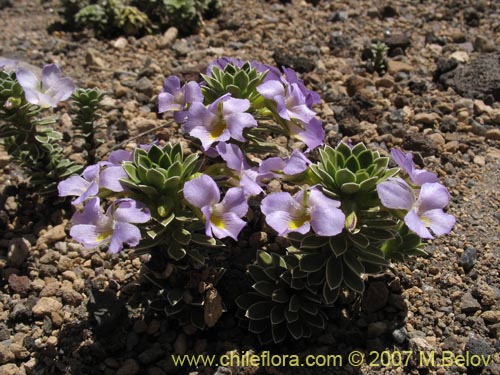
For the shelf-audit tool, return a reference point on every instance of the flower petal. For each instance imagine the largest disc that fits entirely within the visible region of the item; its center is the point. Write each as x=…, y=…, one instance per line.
x=440, y=222
x=271, y=89
x=198, y=116
x=277, y=202
x=166, y=102
x=28, y=80
x=326, y=218
x=230, y=226
x=237, y=122
x=131, y=211
x=432, y=196
x=110, y=178
x=91, y=173
x=201, y=191
x=192, y=93
x=118, y=156
x=396, y=193
x=74, y=185
x=297, y=163
x=312, y=134
x=232, y=105
x=124, y=233
x=92, y=213
x=412, y=220
x=249, y=184
x=421, y=176
x=234, y=201
x=88, y=235
x=232, y=155
x=51, y=74
x=61, y=90
x=172, y=84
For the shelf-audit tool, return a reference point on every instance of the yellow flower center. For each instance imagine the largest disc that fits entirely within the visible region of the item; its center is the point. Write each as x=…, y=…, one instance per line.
x=297, y=222
x=218, y=221
x=217, y=130
x=104, y=235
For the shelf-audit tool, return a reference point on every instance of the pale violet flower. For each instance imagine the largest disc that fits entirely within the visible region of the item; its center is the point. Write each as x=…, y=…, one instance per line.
x=276, y=167
x=424, y=212
x=94, y=228
x=405, y=162
x=48, y=92
x=106, y=174
x=224, y=119
x=222, y=219
x=247, y=176
x=290, y=100
x=177, y=99
x=308, y=208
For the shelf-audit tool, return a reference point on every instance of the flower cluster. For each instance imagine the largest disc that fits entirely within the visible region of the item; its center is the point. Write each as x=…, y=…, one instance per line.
x=345, y=212
x=423, y=200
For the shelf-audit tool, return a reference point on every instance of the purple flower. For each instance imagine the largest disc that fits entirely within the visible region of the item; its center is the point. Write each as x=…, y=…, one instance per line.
x=312, y=134
x=221, y=219
x=424, y=212
x=175, y=98
x=50, y=91
x=105, y=174
x=311, y=97
x=405, y=162
x=93, y=228
x=290, y=101
x=233, y=156
x=84, y=186
x=224, y=119
x=308, y=208
x=276, y=167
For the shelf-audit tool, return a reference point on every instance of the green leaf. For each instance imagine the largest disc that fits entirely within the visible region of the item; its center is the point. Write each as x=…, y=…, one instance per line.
x=315, y=320
x=248, y=299
x=264, y=259
x=343, y=176
x=258, y=326
x=334, y=272
x=291, y=316
x=353, y=263
x=313, y=242
x=279, y=332
x=296, y=329
x=352, y=164
x=344, y=150
x=182, y=236
x=259, y=310
x=338, y=245
x=350, y=188
x=241, y=79
x=365, y=159
x=204, y=240
x=358, y=149
x=330, y=295
x=156, y=179
x=277, y=315
x=312, y=262
x=265, y=288
x=353, y=281
x=175, y=251
x=369, y=184
x=280, y=296
x=175, y=296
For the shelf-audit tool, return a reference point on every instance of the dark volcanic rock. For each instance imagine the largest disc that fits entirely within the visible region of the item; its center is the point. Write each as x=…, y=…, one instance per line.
x=301, y=64
x=479, y=80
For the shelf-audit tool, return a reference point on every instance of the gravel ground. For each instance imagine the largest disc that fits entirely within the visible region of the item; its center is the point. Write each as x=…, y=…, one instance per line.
x=440, y=98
